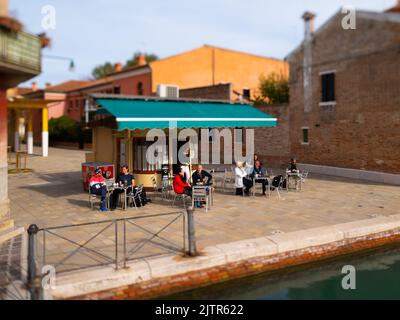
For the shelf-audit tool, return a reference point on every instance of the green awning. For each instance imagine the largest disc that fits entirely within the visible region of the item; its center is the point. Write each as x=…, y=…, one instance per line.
x=158, y=114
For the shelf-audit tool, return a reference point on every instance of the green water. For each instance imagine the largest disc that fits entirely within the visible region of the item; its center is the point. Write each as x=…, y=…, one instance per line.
x=377, y=277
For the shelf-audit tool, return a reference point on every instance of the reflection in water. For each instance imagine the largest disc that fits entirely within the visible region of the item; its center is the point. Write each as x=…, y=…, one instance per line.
x=377, y=277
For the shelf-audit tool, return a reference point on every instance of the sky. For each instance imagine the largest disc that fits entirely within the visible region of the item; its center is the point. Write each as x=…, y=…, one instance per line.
x=92, y=32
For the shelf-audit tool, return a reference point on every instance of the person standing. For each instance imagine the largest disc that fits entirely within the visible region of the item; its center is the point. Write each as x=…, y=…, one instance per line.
x=97, y=185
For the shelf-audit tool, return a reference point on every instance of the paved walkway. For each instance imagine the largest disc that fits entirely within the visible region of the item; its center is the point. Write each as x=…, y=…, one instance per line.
x=52, y=195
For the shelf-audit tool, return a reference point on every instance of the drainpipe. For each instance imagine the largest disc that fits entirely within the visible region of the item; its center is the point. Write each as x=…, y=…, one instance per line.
x=308, y=18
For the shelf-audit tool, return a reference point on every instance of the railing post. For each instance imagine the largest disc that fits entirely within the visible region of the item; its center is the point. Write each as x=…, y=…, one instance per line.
x=116, y=244
x=32, y=232
x=191, y=232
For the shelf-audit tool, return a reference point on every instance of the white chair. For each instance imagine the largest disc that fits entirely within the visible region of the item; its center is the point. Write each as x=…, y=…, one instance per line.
x=182, y=197
x=200, y=195
x=277, y=188
x=94, y=198
x=135, y=195
x=303, y=177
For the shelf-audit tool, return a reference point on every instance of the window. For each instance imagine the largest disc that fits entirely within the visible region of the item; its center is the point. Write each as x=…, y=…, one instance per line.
x=140, y=89
x=117, y=90
x=328, y=87
x=246, y=94
x=305, y=136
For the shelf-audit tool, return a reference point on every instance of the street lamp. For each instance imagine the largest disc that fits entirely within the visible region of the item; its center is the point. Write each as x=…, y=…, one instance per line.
x=71, y=61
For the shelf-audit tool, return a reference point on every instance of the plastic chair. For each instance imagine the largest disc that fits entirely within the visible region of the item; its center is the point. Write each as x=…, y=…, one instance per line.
x=200, y=194
x=94, y=198
x=134, y=195
x=181, y=197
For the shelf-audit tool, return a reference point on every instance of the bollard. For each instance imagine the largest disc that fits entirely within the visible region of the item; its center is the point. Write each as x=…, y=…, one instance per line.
x=32, y=232
x=191, y=232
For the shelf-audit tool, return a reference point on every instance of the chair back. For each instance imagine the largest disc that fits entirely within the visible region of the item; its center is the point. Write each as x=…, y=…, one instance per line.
x=199, y=192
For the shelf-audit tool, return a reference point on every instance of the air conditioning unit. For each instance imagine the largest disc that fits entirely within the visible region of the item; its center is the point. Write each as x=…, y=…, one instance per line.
x=167, y=91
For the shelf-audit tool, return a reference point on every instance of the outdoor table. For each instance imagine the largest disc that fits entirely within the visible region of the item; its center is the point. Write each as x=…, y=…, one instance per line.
x=297, y=176
x=124, y=189
x=268, y=178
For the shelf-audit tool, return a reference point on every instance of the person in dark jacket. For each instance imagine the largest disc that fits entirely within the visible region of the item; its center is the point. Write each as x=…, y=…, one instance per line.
x=292, y=166
x=201, y=177
x=125, y=179
x=258, y=172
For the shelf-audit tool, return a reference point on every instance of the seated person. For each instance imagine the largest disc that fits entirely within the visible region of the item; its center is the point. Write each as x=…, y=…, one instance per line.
x=241, y=181
x=201, y=177
x=259, y=171
x=292, y=166
x=124, y=179
x=97, y=185
x=180, y=185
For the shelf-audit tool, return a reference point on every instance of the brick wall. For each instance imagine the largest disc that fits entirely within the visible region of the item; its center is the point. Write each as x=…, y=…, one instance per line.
x=272, y=145
x=361, y=131
x=218, y=92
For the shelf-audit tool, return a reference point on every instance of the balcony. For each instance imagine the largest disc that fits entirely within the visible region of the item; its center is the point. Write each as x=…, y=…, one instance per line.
x=20, y=56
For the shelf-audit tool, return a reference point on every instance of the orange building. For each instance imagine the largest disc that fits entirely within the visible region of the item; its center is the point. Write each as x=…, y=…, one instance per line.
x=210, y=65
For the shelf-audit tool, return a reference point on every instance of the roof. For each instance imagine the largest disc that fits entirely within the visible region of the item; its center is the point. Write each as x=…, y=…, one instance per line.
x=371, y=15
x=95, y=83
x=128, y=69
x=133, y=112
x=67, y=86
x=396, y=8
x=219, y=48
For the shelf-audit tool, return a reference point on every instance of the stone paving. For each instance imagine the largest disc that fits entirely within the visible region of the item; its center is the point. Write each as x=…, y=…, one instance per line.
x=52, y=195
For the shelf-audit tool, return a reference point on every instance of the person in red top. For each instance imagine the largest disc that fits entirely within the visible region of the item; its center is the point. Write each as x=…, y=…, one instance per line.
x=180, y=186
x=97, y=185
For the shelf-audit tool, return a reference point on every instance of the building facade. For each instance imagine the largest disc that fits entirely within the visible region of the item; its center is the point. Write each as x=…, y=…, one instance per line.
x=20, y=60
x=345, y=93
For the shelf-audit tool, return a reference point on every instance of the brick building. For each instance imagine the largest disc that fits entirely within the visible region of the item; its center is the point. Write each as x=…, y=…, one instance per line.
x=345, y=93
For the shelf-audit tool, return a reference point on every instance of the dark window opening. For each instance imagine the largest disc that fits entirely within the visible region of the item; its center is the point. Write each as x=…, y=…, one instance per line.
x=140, y=89
x=246, y=94
x=117, y=90
x=328, y=87
x=305, y=135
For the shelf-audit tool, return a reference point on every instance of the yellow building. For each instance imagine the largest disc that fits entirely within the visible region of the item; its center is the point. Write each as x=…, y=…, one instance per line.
x=210, y=65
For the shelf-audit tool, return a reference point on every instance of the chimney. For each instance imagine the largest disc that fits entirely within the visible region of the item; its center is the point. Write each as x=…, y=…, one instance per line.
x=48, y=84
x=3, y=8
x=142, y=60
x=117, y=67
x=308, y=18
x=34, y=86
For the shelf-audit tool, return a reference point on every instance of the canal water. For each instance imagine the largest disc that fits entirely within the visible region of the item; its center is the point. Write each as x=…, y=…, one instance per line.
x=377, y=276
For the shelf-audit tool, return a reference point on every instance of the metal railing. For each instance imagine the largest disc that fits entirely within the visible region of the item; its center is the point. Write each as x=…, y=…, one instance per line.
x=114, y=243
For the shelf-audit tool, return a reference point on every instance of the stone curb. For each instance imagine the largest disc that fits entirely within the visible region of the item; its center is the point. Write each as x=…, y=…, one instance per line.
x=81, y=283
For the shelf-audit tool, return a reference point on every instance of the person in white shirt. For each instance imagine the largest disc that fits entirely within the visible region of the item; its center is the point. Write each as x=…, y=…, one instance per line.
x=241, y=180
